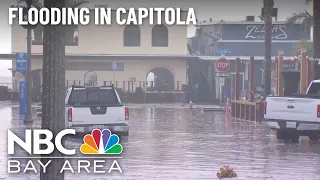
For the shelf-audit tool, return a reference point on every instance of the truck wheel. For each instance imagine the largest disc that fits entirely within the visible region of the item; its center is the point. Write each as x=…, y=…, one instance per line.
x=126, y=133
x=282, y=134
x=314, y=137
x=294, y=138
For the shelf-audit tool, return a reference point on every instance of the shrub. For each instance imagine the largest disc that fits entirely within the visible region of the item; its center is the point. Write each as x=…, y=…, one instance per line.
x=226, y=172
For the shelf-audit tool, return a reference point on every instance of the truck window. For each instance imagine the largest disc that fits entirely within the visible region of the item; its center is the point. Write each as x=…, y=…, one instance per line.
x=314, y=88
x=93, y=97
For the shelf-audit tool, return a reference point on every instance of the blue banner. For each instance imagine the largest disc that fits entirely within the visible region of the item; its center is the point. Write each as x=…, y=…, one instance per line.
x=23, y=99
x=21, y=62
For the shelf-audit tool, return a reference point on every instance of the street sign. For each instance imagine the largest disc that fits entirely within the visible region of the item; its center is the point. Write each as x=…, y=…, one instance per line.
x=23, y=99
x=222, y=52
x=222, y=74
x=222, y=65
x=222, y=82
x=114, y=65
x=21, y=62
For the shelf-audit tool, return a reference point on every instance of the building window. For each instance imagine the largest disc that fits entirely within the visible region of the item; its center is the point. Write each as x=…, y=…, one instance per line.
x=90, y=78
x=131, y=36
x=160, y=36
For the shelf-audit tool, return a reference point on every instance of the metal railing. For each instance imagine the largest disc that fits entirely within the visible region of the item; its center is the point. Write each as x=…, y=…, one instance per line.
x=126, y=86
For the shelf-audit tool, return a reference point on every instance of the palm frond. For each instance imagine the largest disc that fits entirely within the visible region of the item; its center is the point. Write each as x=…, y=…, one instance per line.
x=75, y=3
x=302, y=17
x=308, y=1
x=198, y=31
x=37, y=4
x=69, y=3
x=34, y=3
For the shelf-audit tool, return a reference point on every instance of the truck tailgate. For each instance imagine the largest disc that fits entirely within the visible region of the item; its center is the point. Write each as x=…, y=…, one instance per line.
x=296, y=109
x=95, y=115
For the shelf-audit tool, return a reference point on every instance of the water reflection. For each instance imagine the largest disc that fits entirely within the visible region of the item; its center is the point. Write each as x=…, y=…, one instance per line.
x=182, y=144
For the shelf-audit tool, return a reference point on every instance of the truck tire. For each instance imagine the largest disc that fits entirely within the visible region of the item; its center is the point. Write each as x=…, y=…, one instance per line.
x=314, y=137
x=126, y=133
x=294, y=138
x=282, y=134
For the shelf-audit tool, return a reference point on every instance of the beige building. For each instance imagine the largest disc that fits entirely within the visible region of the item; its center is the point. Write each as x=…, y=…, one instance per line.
x=92, y=49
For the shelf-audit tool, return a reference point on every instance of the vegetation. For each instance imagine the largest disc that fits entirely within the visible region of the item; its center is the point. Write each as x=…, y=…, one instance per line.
x=226, y=172
x=53, y=105
x=309, y=20
x=301, y=17
x=69, y=32
x=303, y=45
x=68, y=3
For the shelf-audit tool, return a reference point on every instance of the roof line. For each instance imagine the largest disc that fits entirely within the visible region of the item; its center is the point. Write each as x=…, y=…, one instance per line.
x=254, y=41
x=244, y=22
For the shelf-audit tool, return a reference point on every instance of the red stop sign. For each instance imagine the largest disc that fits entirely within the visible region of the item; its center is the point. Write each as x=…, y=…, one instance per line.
x=222, y=65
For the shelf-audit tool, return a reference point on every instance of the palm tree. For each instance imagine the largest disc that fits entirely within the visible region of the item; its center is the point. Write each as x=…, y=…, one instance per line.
x=310, y=20
x=69, y=33
x=38, y=31
x=53, y=104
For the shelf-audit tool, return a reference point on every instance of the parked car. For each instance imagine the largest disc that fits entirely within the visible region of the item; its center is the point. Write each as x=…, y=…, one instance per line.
x=89, y=108
x=296, y=115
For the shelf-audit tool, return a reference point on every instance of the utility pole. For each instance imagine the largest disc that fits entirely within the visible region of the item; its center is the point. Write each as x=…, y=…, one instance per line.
x=268, y=14
x=28, y=77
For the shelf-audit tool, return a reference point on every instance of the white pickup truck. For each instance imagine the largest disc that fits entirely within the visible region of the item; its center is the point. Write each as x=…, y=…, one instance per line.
x=295, y=116
x=89, y=108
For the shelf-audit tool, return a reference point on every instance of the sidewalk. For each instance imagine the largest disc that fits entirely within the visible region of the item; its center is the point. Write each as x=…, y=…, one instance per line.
x=16, y=104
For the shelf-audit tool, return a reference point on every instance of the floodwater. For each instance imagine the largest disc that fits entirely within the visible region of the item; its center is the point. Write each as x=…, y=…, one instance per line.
x=179, y=144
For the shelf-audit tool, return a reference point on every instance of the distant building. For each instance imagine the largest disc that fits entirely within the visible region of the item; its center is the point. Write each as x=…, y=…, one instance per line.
x=242, y=40
x=91, y=50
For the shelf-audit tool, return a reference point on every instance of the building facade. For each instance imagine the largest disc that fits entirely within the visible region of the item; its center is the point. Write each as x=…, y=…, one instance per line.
x=93, y=50
x=242, y=40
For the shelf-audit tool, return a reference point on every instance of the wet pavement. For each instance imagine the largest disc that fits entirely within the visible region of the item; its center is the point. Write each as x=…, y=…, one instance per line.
x=179, y=144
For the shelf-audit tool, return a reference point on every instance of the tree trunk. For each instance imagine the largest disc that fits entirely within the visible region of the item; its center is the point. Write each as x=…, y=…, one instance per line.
x=316, y=38
x=53, y=106
x=268, y=7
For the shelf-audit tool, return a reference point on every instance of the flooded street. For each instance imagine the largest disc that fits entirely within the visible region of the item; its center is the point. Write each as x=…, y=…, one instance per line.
x=178, y=144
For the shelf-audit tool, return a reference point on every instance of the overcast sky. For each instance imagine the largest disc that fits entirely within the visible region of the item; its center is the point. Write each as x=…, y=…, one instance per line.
x=228, y=10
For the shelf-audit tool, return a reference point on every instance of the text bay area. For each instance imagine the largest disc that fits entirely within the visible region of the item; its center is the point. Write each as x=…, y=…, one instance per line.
x=33, y=166
x=76, y=16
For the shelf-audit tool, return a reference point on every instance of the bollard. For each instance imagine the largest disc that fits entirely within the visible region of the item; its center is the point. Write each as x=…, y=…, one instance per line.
x=190, y=105
x=227, y=115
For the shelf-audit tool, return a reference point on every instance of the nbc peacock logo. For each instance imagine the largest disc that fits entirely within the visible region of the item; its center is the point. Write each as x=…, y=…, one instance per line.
x=101, y=142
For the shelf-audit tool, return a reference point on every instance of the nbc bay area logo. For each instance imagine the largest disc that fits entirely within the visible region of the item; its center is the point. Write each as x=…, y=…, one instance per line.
x=101, y=142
